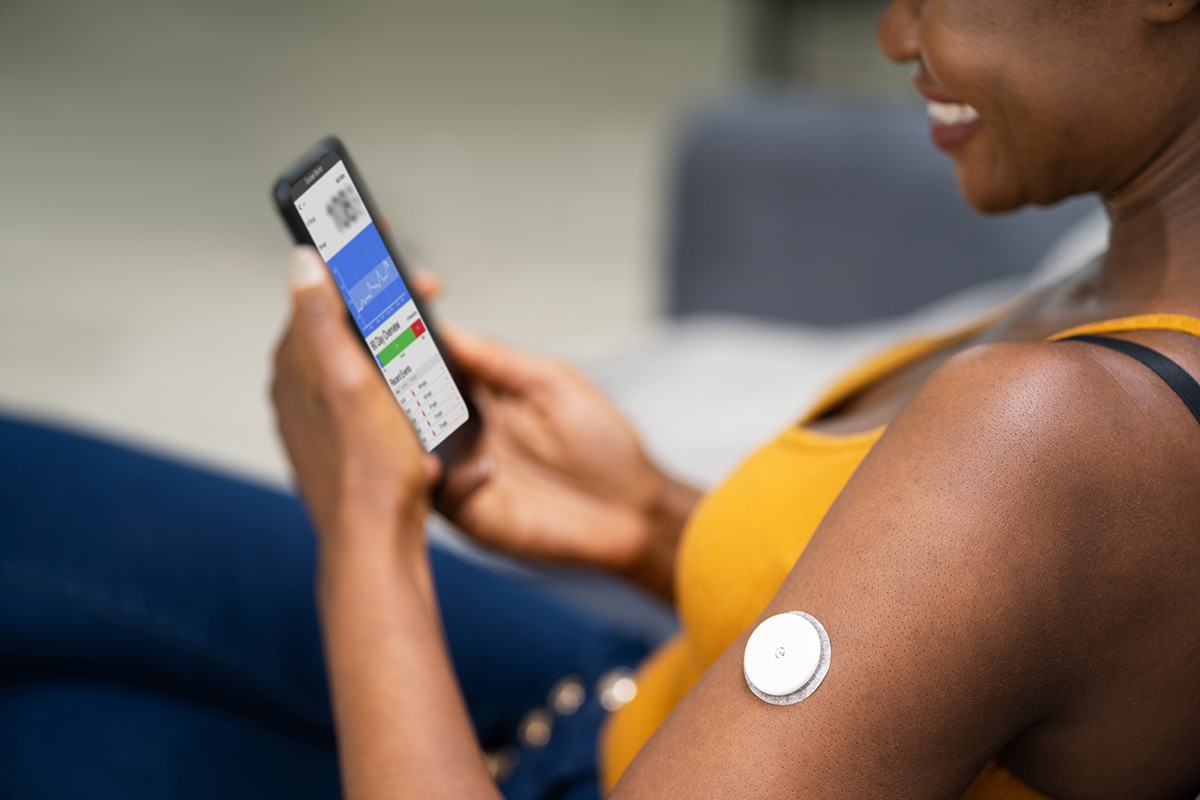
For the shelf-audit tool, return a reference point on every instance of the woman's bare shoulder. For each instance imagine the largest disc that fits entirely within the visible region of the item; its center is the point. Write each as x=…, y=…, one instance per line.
x=970, y=582
x=1083, y=447
x=1074, y=403
x=1059, y=413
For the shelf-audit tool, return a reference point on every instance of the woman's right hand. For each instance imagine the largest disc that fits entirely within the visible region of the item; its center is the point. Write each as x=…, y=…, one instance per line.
x=558, y=474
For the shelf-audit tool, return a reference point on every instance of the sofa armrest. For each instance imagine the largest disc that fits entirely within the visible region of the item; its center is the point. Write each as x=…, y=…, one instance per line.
x=797, y=208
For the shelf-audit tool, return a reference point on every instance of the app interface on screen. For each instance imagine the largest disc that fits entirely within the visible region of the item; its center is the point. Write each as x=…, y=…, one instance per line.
x=348, y=241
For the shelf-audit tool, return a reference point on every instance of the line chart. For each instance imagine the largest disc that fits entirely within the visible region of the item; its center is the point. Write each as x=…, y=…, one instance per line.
x=372, y=284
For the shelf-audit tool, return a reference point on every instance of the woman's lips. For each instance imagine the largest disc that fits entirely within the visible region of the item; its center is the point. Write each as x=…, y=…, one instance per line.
x=953, y=124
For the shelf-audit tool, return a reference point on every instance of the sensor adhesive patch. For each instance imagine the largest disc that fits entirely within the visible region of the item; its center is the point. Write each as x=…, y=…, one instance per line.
x=786, y=658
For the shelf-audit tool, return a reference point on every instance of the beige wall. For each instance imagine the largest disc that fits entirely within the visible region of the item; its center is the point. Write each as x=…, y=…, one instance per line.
x=518, y=146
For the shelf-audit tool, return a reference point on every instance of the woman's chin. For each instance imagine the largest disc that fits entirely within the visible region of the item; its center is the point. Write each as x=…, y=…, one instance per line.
x=985, y=196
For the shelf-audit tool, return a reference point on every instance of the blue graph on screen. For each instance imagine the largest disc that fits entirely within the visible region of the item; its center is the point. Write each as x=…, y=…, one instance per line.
x=372, y=286
x=368, y=279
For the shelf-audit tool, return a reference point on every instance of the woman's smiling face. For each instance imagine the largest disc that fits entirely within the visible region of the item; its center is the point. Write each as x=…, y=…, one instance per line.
x=1036, y=100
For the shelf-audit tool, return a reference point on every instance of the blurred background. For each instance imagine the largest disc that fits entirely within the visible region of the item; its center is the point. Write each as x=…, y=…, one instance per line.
x=522, y=149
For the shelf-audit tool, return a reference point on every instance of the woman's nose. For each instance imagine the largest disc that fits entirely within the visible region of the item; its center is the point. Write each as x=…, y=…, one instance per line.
x=897, y=31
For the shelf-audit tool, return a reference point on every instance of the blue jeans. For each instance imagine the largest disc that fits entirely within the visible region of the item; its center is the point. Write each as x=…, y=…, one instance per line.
x=158, y=638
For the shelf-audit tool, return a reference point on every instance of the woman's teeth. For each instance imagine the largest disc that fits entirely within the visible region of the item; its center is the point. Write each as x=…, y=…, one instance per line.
x=952, y=113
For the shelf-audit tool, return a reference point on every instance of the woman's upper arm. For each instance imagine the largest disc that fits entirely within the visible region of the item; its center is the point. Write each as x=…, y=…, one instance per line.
x=945, y=575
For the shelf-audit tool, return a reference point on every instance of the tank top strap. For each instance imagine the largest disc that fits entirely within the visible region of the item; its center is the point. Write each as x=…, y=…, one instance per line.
x=1142, y=322
x=1183, y=384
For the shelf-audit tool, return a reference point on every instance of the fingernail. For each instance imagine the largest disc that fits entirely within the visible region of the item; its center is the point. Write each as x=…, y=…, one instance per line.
x=306, y=269
x=433, y=468
x=483, y=468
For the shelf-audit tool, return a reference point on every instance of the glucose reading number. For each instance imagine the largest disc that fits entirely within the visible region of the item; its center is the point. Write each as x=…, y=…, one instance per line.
x=344, y=208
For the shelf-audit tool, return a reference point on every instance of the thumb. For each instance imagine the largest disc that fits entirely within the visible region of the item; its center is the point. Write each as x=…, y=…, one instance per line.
x=318, y=313
x=308, y=278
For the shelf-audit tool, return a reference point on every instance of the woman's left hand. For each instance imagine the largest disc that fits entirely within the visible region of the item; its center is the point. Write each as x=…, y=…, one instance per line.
x=361, y=469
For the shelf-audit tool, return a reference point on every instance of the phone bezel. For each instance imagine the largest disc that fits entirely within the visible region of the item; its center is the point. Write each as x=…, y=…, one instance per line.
x=463, y=440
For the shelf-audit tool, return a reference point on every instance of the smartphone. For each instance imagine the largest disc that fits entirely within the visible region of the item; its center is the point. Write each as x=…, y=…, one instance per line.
x=325, y=203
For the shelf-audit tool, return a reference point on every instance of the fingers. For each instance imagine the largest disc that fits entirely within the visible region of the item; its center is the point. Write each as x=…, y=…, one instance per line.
x=494, y=364
x=433, y=469
x=461, y=481
x=426, y=285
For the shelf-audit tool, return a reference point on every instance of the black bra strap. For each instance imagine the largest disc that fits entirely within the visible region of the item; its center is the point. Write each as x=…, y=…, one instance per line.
x=1182, y=383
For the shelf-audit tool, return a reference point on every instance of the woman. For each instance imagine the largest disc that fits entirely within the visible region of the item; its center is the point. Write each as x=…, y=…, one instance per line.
x=997, y=530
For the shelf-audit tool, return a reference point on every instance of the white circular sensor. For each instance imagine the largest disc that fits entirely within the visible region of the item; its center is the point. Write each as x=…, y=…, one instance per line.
x=786, y=658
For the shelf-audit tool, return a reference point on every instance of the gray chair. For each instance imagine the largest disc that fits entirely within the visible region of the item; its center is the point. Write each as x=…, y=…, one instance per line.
x=803, y=209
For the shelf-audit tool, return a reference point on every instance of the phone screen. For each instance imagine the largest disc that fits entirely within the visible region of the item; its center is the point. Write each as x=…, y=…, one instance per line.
x=366, y=274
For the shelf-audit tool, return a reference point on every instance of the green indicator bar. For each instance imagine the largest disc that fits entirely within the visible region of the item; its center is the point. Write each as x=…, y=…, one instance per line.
x=396, y=347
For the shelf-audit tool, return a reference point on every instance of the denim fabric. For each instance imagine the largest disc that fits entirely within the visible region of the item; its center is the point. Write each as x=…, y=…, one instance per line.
x=158, y=637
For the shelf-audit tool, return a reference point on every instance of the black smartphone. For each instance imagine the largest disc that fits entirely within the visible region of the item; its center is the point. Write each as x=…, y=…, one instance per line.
x=325, y=203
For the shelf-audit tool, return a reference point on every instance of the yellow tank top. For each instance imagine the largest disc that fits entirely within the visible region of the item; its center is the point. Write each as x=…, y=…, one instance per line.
x=775, y=500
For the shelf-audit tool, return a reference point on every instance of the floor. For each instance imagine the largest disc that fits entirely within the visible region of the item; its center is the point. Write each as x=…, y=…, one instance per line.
x=521, y=149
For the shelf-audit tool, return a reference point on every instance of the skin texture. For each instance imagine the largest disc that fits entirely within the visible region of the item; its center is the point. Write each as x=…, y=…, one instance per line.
x=1011, y=572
